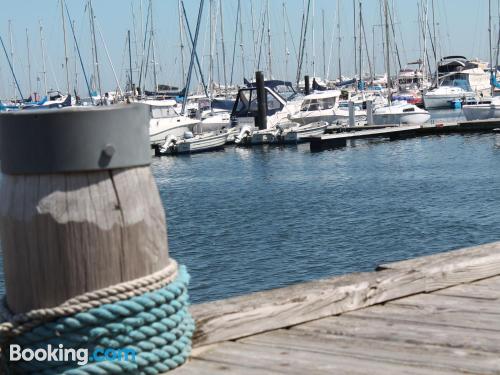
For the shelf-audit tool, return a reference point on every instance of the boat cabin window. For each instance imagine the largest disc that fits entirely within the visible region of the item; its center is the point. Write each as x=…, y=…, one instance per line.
x=161, y=112
x=318, y=104
x=409, y=109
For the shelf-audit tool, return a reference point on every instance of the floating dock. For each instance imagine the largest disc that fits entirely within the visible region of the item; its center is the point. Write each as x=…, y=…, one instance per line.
x=343, y=134
x=438, y=314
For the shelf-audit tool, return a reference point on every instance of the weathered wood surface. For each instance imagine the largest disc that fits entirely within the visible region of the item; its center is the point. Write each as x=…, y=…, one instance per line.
x=259, y=312
x=67, y=234
x=438, y=314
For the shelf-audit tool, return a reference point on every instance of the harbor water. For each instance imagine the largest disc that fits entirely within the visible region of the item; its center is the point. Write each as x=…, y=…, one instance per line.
x=245, y=220
x=250, y=219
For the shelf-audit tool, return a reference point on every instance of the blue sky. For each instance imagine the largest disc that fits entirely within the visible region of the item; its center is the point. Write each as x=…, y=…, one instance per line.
x=462, y=30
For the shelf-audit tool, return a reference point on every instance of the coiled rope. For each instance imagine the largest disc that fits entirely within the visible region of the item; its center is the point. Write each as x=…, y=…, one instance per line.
x=148, y=316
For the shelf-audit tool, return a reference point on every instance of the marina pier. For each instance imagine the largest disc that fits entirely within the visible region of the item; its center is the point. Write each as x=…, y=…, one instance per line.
x=339, y=139
x=438, y=314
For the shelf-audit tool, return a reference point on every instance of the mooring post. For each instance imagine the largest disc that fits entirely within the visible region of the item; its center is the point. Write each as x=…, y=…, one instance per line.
x=79, y=208
x=261, y=101
x=369, y=112
x=351, y=113
x=84, y=244
x=307, y=86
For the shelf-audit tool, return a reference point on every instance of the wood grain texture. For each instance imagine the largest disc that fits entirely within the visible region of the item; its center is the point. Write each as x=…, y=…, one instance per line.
x=407, y=354
x=418, y=333
x=259, y=312
x=67, y=234
x=289, y=360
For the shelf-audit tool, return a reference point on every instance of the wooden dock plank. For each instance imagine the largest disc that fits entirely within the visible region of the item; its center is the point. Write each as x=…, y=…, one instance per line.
x=490, y=292
x=298, y=361
x=449, y=359
x=443, y=258
x=263, y=311
x=424, y=314
x=202, y=367
x=451, y=303
x=407, y=332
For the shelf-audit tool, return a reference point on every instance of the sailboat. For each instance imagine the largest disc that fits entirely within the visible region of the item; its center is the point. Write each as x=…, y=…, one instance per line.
x=492, y=109
x=397, y=112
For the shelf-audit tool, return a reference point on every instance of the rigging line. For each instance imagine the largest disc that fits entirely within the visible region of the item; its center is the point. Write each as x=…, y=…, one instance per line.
x=234, y=44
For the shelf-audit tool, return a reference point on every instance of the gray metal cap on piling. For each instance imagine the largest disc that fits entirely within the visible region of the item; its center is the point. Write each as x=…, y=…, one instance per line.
x=74, y=139
x=261, y=101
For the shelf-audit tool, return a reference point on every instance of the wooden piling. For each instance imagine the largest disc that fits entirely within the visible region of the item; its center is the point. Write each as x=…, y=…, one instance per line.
x=307, y=86
x=69, y=230
x=261, y=101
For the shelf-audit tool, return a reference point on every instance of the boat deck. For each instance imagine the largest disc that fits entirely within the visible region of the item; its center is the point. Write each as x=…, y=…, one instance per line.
x=445, y=321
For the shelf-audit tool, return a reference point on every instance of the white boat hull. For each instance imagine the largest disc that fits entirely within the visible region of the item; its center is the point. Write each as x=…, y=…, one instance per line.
x=159, y=129
x=400, y=118
x=295, y=135
x=201, y=143
x=481, y=112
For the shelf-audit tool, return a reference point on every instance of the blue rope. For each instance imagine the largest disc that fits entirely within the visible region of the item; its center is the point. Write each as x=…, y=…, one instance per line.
x=156, y=325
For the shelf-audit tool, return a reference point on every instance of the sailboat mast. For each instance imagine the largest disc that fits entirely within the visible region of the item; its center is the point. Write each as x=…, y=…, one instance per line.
x=42, y=47
x=94, y=42
x=181, y=39
x=387, y=61
x=324, y=47
x=360, y=43
x=65, y=47
x=155, y=77
x=339, y=40
x=211, y=59
x=241, y=40
x=223, y=47
x=435, y=41
x=12, y=59
x=29, y=61
x=130, y=64
x=270, y=67
x=424, y=52
x=355, y=38
x=313, y=40
x=490, y=44
x=284, y=38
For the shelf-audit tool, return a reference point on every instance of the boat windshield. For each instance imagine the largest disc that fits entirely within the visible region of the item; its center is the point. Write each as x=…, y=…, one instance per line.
x=161, y=112
x=318, y=104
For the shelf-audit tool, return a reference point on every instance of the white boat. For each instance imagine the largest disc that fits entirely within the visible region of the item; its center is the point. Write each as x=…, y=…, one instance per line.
x=400, y=113
x=300, y=132
x=482, y=111
x=193, y=143
x=442, y=96
x=165, y=120
x=215, y=121
x=459, y=78
x=324, y=106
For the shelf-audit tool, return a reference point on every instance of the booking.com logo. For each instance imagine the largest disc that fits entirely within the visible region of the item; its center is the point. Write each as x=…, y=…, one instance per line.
x=61, y=354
